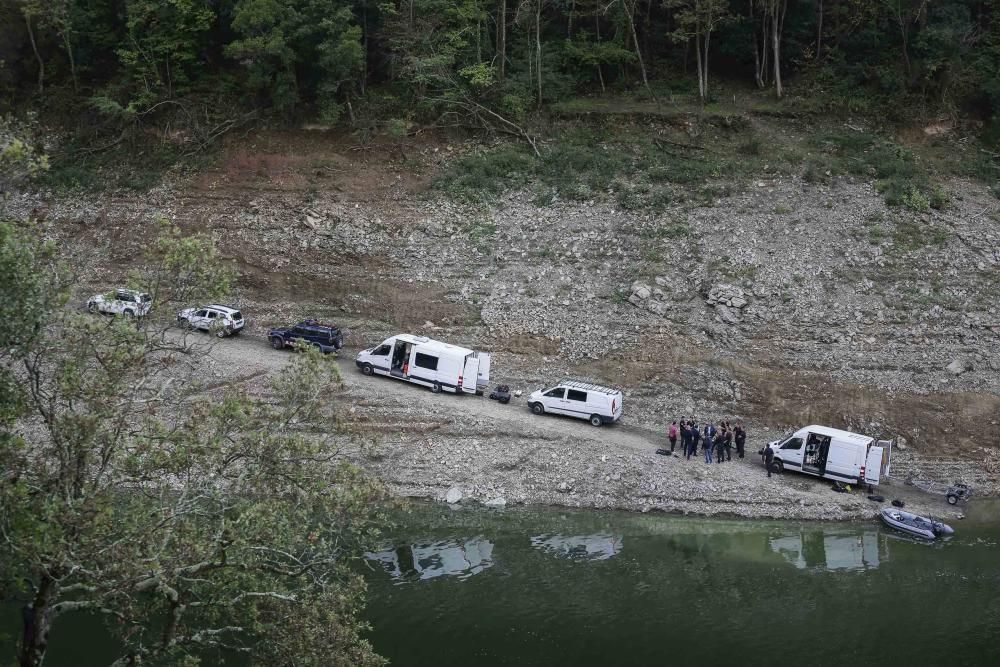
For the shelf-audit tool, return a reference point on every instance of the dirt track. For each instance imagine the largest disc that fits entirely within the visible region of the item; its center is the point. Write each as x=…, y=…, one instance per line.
x=252, y=354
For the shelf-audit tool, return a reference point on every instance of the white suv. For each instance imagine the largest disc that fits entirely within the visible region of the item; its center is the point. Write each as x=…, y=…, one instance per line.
x=128, y=302
x=583, y=400
x=220, y=320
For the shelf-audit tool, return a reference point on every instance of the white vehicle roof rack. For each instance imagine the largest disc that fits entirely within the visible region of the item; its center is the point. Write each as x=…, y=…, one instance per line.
x=588, y=386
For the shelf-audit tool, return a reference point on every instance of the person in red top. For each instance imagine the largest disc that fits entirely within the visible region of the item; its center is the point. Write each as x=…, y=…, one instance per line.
x=672, y=435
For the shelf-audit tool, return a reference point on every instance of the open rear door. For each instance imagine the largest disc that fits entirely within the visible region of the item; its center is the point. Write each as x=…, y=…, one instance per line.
x=873, y=465
x=483, y=379
x=470, y=374
x=886, y=446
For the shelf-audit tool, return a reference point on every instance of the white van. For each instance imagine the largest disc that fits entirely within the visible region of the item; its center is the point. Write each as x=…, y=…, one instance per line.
x=597, y=404
x=834, y=454
x=428, y=362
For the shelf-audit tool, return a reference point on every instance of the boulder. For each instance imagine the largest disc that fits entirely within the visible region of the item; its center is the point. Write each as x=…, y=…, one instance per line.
x=958, y=366
x=453, y=496
x=499, y=501
x=726, y=315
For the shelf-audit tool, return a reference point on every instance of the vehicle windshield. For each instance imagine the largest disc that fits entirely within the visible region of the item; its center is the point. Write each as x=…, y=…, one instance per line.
x=145, y=298
x=237, y=315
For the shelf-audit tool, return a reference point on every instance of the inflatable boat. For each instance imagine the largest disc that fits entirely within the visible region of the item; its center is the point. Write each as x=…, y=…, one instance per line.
x=915, y=525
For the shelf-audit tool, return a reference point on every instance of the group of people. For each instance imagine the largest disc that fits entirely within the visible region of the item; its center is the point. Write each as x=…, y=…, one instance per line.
x=715, y=441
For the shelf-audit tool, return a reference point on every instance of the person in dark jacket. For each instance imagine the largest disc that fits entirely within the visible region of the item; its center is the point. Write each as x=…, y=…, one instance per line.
x=695, y=436
x=717, y=445
x=685, y=439
x=768, y=459
x=741, y=439
x=727, y=442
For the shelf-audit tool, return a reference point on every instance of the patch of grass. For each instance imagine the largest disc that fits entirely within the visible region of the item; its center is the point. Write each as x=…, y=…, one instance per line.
x=480, y=234
x=909, y=235
x=674, y=230
x=124, y=167
x=899, y=176
x=781, y=209
x=580, y=164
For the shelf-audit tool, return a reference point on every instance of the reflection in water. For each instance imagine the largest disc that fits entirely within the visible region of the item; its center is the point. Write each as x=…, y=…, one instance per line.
x=580, y=547
x=821, y=550
x=455, y=558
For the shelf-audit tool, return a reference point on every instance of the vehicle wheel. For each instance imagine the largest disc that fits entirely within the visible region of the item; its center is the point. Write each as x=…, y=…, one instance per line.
x=538, y=408
x=952, y=499
x=595, y=420
x=436, y=388
x=777, y=467
x=92, y=308
x=128, y=313
x=367, y=369
x=505, y=401
x=221, y=333
x=277, y=343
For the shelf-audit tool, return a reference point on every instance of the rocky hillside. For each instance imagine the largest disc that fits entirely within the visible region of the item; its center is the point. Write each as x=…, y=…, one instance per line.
x=781, y=301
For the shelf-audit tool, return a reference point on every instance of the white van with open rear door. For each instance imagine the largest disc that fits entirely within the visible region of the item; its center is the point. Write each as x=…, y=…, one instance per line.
x=834, y=454
x=431, y=363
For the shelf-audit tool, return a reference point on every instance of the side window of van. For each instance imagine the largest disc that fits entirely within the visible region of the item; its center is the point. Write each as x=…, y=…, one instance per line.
x=555, y=393
x=577, y=395
x=793, y=443
x=426, y=361
x=382, y=350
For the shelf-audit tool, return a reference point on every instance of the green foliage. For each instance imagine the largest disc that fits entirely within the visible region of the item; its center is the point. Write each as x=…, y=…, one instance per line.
x=19, y=161
x=162, y=53
x=899, y=176
x=582, y=164
x=190, y=520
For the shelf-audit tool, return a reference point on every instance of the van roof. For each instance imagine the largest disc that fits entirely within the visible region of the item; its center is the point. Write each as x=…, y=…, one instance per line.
x=430, y=345
x=588, y=386
x=838, y=433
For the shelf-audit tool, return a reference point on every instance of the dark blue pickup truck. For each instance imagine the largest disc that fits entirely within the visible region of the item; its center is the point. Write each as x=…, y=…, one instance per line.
x=327, y=337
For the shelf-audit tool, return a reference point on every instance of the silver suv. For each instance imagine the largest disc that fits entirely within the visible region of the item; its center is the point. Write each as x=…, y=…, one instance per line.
x=220, y=320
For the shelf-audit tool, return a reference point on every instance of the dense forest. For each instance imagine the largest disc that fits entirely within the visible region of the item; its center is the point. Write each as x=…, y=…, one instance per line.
x=209, y=64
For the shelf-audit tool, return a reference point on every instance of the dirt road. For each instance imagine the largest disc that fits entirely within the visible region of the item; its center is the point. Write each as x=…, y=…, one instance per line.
x=250, y=356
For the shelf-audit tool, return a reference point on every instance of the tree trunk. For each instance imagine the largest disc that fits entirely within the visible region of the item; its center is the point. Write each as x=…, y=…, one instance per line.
x=364, y=51
x=704, y=62
x=479, y=34
x=501, y=38
x=777, y=20
x=701, y=79
x=36, y=622
x=630, y=12
x=819, y=29
x=569, y=25
x=538, y=47
x=38, y=56
x=600, y=73
x=758, y=66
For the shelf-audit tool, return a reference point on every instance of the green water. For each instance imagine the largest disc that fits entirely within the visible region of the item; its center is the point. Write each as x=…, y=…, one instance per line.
x=475, y=587
x=522, y=587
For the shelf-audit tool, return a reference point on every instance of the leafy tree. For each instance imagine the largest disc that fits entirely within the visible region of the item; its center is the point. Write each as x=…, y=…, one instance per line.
x=697, y=20
x=191, y=520
x=163, y=51
x=290, y=47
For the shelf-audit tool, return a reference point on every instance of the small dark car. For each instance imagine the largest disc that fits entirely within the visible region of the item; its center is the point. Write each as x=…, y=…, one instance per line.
x=327, y=337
